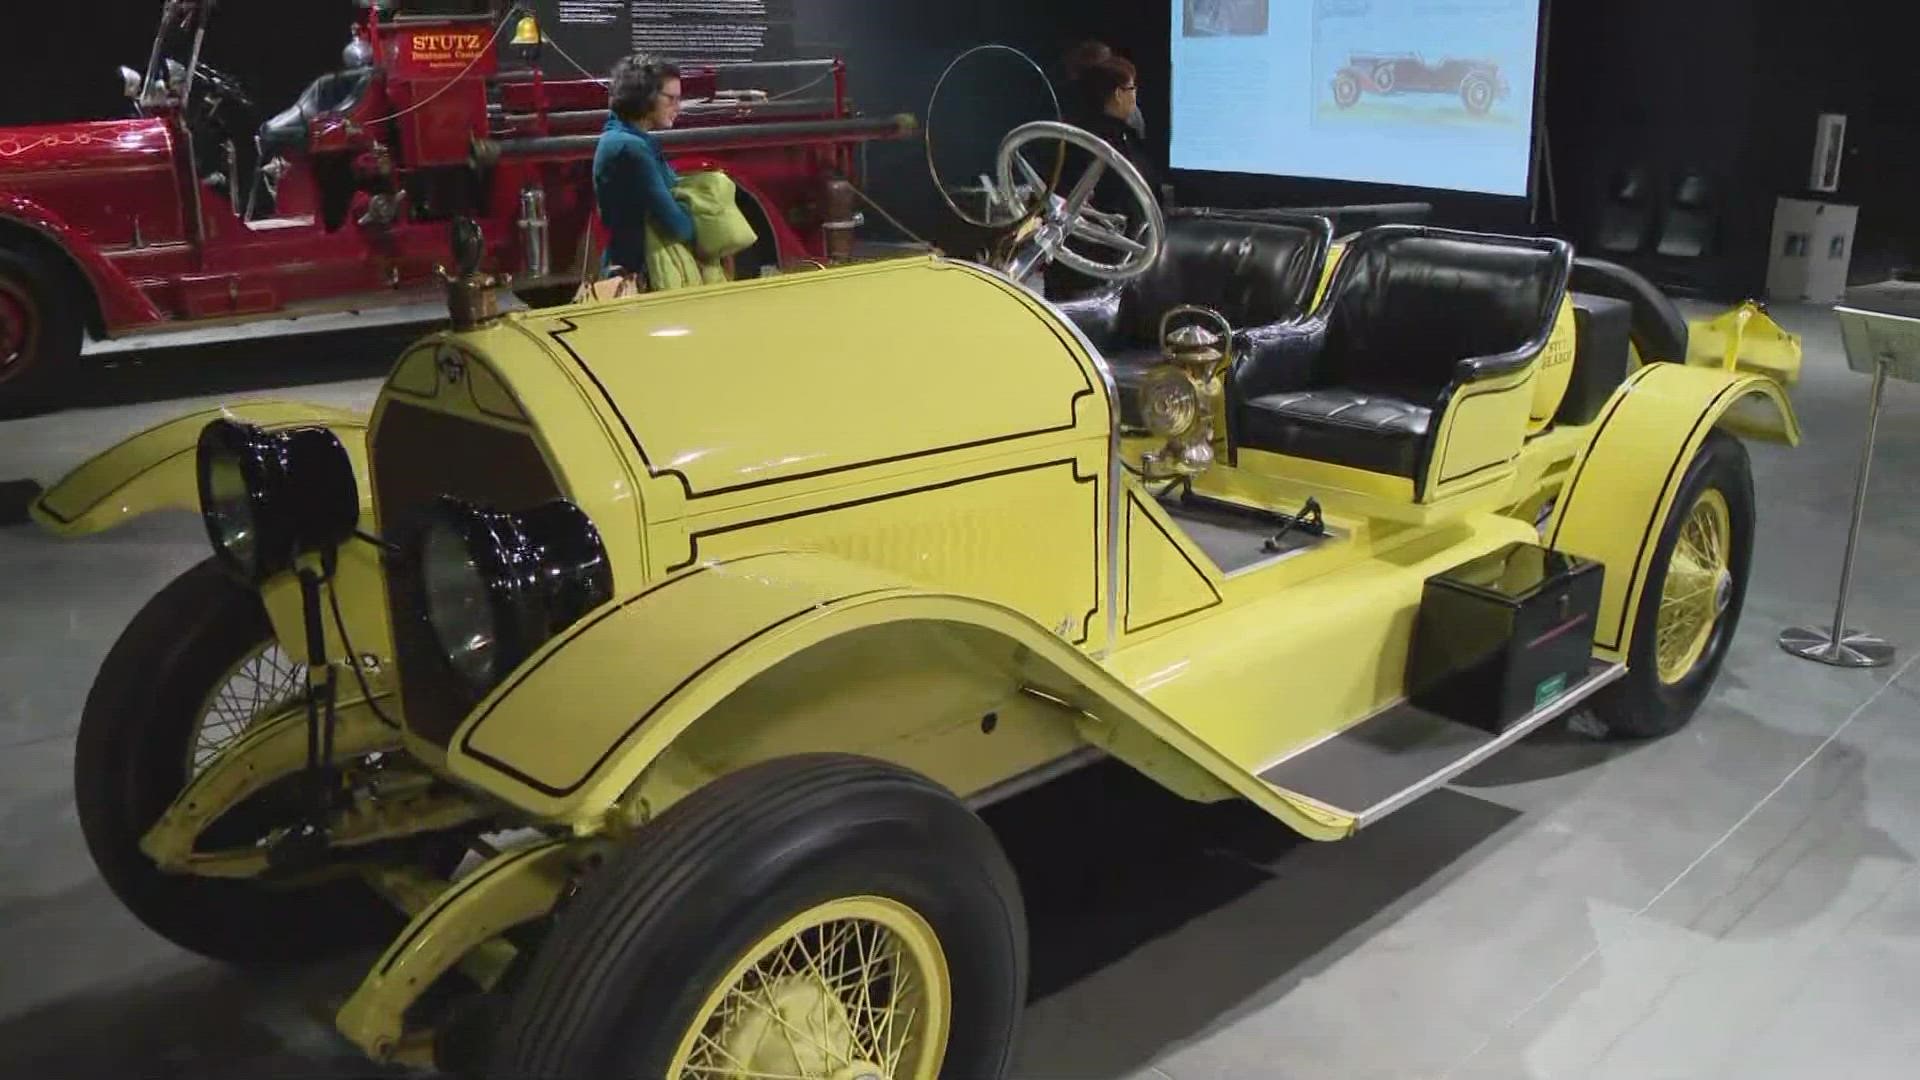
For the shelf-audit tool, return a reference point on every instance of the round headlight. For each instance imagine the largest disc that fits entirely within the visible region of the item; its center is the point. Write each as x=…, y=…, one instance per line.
x=493, y=586
x=268, y=497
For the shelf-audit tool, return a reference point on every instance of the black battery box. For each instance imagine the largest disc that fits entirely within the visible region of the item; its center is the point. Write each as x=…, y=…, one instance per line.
x=1503, y=635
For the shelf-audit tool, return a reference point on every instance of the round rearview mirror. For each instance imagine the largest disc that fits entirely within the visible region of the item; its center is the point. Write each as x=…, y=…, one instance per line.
x=268, y=497
x=130, y=82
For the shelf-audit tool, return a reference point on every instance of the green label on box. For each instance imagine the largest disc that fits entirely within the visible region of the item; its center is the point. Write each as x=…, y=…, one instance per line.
x=1549, y=689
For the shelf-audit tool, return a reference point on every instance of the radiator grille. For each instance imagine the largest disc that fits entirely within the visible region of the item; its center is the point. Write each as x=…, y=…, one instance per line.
x=419, y=454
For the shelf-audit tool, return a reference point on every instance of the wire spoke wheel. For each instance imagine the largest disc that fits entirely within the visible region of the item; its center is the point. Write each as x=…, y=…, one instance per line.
x=1698, y=585
x=852, y=989
x=265, y=681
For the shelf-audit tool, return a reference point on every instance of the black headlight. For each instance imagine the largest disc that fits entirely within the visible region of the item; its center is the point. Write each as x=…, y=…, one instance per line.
x=268, y=497
x=494, y=586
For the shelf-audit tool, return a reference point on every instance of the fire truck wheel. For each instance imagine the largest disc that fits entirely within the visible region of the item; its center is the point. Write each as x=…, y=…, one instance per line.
x=39, y=334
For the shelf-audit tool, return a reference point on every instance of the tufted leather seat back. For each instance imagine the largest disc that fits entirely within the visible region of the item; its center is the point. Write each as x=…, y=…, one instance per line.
x=1409, y=308
x=1253, y=272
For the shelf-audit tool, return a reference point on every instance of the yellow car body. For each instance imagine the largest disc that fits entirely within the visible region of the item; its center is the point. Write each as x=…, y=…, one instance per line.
x=885, y=509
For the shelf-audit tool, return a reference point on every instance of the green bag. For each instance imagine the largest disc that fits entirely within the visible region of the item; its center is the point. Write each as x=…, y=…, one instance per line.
x=719, y=230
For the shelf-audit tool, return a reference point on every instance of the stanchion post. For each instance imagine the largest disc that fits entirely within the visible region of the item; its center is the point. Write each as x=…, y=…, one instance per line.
x=1841, y=647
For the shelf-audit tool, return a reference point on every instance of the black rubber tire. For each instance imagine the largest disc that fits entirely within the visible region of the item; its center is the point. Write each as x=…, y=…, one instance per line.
x=1477, y=86
x=1640, y=705
x=41, y=378
x=651, y=933
x=1384, y=77
x=131, y=761
x=1346, y=90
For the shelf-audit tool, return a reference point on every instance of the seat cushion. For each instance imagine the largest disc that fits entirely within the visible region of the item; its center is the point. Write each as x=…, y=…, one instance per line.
x=1340, y=425
x=337, y=93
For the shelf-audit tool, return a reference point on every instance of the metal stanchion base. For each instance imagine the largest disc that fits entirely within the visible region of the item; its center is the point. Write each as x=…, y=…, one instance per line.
x=1854, y=649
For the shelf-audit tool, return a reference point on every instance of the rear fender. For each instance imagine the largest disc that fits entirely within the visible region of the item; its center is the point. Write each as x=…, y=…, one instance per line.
x=118, y=303
x=155, y=470
x=1624, y=482
x=765, y=655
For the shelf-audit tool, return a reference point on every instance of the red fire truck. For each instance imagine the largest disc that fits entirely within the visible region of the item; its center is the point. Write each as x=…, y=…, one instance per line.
x=118, y=234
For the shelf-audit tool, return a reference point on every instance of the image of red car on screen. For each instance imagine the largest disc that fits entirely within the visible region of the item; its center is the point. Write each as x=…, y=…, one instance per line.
x=1477, y=82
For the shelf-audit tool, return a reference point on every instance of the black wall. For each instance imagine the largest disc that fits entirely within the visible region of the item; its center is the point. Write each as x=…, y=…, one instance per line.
x=1728, y=87
x=1732, y=88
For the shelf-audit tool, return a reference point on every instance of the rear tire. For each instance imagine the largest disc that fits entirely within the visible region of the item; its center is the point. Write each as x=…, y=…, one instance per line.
x=132, y=760
x=40, y=325
x=1476, y=93
x=1646, y=702
x=630, y=977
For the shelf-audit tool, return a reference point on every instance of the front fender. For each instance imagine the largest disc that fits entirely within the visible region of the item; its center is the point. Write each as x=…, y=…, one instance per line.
x=155, y=470
x=122, y=304
x=1623, y=484
x=570, y=733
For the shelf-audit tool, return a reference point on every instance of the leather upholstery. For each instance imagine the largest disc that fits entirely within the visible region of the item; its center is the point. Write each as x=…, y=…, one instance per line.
x=1252, y=272
x=1659, y=330
x=334, y=94
x=1379, y=433
x=1257, y=271
x=1411, y=314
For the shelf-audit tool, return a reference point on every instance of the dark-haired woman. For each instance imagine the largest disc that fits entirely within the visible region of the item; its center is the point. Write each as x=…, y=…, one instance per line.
x=632, y=182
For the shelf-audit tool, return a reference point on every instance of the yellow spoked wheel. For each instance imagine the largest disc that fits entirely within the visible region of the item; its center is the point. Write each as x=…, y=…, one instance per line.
x=1685, y=616
x=814, y=917
x=1698, y=588
x=853, y=989
x=194, y=669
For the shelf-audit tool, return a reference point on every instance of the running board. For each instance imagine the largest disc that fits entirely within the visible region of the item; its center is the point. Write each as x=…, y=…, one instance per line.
x=372, y=316
x=1399, y=754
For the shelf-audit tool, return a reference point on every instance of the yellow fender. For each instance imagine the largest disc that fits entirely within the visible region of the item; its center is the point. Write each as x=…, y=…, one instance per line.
x=1623, y=484
x=1745, y=338
x=154, y=470
x=685, y=645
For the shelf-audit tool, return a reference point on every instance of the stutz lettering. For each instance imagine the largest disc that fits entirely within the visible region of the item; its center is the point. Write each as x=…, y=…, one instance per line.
x=456, y=44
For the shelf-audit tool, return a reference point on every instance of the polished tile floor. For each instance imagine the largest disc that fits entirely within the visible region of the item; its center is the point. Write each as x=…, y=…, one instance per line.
x=1736, y=901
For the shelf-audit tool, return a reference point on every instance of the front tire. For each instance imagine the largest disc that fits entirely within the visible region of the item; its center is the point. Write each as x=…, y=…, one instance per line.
x=39, y=335
x=1696, y=587
x=709, y=941
x=142, y=736
x=1346, y=90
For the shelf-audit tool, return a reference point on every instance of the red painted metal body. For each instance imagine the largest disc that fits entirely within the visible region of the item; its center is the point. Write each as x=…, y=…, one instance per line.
x=362, y=212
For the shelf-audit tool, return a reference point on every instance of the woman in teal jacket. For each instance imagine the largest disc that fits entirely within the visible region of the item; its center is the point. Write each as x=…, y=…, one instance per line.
x=632, y=182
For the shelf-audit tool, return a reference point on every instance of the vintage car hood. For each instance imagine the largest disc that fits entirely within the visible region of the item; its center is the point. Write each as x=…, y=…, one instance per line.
x=809, y=374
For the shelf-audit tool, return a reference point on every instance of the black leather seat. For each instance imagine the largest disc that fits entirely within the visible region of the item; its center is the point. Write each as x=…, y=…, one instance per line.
x=335, y=94
x=1257, y=273
x=1412, y=314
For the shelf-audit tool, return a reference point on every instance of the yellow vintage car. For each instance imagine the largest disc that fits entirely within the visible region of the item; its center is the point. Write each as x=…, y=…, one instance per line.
x=634, y=670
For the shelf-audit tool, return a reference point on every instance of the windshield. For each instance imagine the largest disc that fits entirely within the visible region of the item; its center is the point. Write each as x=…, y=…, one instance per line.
x=176, y=52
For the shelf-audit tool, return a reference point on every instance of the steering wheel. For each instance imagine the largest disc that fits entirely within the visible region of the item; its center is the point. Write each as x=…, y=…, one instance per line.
x=1062, y=219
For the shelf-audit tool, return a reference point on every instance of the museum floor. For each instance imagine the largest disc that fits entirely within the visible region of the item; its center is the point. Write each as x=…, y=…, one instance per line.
x=1738, y=900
